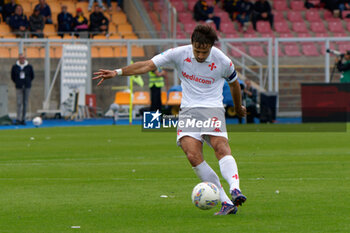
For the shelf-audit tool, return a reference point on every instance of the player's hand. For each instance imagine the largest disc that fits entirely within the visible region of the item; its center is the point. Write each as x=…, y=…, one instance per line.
x=104, y=74
x=241, y=111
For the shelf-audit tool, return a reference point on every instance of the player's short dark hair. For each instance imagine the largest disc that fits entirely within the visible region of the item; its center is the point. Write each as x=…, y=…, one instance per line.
x=204, y=34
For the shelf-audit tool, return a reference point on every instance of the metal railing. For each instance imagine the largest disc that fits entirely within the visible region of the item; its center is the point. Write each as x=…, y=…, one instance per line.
x=326, y=41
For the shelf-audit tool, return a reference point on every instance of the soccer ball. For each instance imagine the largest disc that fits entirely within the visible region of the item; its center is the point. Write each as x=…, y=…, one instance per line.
x=205, y=195
x=37, y=121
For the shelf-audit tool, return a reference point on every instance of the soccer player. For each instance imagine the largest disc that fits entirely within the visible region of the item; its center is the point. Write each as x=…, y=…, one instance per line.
x=203, y=70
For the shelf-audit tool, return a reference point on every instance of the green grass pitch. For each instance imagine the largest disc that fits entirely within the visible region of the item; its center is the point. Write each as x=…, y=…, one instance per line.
x=110, y=179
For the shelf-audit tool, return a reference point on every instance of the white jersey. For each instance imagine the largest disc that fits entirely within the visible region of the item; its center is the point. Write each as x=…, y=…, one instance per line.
x=202, y=83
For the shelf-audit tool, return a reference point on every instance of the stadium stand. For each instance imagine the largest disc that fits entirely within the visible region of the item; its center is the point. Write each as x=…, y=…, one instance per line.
x=291, y=19
x=119, y=28
x=141, y=98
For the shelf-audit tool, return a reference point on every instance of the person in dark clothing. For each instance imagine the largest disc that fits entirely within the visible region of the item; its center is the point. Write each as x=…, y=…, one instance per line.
x=98, y=22
x=18, y=22
x=244, y=8
x=65, y=21
x=2, y=4
x=344, y=67
x=80, y=23
x=250, y=96
x=22, y=74
x=8, y=10
x=156, y=82
x=230, y=6
x=204, y=12
x=36, y=24
x=44, y=11
x=262, y=11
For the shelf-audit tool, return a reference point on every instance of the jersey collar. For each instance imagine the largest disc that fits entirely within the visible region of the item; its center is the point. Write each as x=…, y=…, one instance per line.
x=209, y=58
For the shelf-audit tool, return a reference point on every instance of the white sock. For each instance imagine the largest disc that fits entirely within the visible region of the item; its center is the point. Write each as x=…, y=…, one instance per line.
x=229, y=171
x=207, y=174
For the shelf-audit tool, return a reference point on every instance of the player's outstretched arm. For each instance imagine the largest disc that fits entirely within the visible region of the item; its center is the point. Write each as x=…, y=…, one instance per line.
x=237, y=98
x=133, y=69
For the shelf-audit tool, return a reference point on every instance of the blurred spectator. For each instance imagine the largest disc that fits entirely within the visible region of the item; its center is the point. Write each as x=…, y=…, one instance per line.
x=19, y=22
x=22, y=75
x=98, y=22
x=332, y=5
x=308, y=4
x=109, y=5
x=204, y=12
x=344, y=6
x=244, y=8
x=262, y=11
x=230, y=6
x=36, y=24
x=80, y=23
x=2, y=3
x=99, y=3
x=8, y=10
x=120, y=5
x=344, y=67
x=65, y=21
x=44, y=11
x=250, y=95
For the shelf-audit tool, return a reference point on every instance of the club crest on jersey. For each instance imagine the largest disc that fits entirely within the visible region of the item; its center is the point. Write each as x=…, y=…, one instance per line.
x=212, y=66
x=188, y=60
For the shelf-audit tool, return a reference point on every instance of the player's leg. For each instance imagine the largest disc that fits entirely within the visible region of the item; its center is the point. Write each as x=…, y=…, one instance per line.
x=193, y=149
x=228, y=167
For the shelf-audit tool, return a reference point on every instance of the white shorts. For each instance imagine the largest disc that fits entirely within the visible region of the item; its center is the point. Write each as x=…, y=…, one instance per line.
x=213, y=124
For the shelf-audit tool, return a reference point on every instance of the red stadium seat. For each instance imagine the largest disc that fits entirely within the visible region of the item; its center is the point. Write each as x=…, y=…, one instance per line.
x=310, y=50
x=297, y=5
x=295, y=16
x=189, y=27
x=190, y=4
x=313, y=16
x=292, y=50
x=344, y=14
x=224, y=17
x=305, y=35
x=179, y=6
x=280, y=5
x=281, y=27
x=327, y=15
x=180, y=35
x=344, y=47
x=228, y=28
x=278, y=16
x=185, y=17
x=299, y=27
x=287, y=35
x=178, y=27
x=256, y=51
x=234, y=53
x=334, y=26
x=340, y=34
x=322, y=34
x=251, y=35
x=232, y=35
x=318, y=27
x=268, y=35
x=263, y=27
x=249, y=29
